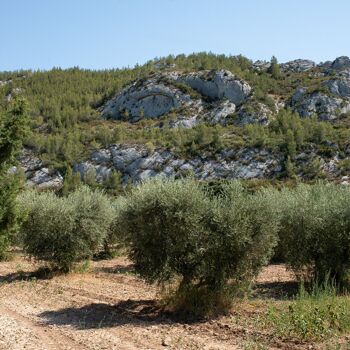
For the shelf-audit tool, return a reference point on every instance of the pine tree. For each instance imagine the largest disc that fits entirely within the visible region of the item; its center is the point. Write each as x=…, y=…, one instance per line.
x=76, y=180
x=291, y=144
x=113, y=183
x=217, y=142
x=12, y=131
x=129, y=186
x=90, y=178
x=21, y=176
x=274, y=69
x=71, y=181
x=290, y=168
x=201, y=135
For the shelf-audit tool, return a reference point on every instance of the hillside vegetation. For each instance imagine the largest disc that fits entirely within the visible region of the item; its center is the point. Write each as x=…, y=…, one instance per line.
x=67, y=125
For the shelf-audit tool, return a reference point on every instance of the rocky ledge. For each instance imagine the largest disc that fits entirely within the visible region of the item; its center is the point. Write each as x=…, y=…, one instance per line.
x=220, y=97
x=136, y=163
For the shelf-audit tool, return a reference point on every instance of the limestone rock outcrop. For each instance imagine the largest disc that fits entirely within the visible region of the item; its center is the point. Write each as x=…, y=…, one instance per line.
x=341, y=63
x=299, y=65
x=256, y=113
x=145, y=99
x=137, y=164
x=339, y=87
x=317, y=103
x=218, y=85
x=204, y=96
x=37, y=175
x=221, y=113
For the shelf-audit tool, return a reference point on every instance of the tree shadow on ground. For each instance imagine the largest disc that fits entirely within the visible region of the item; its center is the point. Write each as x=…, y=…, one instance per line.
x=145, y=312
x=101, y=315
x=40, y=274
x=121, y=269
x=276, y=290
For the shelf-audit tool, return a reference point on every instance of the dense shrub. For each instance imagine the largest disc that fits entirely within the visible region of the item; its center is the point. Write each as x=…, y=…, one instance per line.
x=63, y=231
x=315, y=229
x=176, y=229
x=12, y=130
x=111, y=242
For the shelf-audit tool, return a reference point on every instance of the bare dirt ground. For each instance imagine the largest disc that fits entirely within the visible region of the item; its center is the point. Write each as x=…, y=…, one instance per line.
x=108, y=307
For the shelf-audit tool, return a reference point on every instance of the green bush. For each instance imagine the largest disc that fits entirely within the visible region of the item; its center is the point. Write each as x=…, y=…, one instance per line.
x=314, y=316
x=10, y=216
x=63, y=231
x=163, y=223
x=177, y=229
x=111, y=241
x=242, y=237
x=12, y=130
x=315, y=229
x=344, y=166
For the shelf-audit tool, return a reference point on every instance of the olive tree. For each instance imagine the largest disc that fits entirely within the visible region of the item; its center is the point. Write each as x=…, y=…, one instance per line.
x=315, y=230
x=65, y=230
x=176, y=229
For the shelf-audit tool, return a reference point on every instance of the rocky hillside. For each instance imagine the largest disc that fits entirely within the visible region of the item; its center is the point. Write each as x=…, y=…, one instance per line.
x=205, y=96
x=167, y=105
x=221, y=97
x=136, y=163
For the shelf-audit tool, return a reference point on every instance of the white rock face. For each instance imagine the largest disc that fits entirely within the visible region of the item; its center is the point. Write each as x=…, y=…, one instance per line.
x=220, y=113
x=221, y=96
x=29, y=162
x=186, y=123
x=326, y=107
x=101, y=156
x=36, y=174
x=137, y=164
x=339, y=87
x=341, y=63
x=150, y=99
x=101, y=172
x=45, y=178
x=345, y=180
x=167, y=92
x=299, y=65
x=123, y=156
x=219, y=85
x=261, y=65
x=258, y=115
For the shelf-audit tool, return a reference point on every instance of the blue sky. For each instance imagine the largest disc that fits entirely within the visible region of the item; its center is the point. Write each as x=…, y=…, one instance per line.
x=97, y=34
